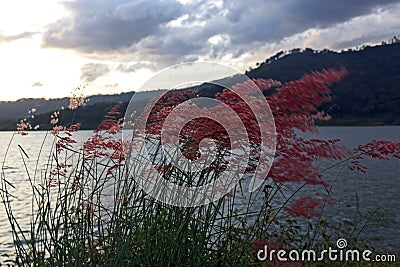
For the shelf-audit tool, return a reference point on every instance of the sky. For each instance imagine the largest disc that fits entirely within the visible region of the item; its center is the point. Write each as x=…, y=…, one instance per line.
x=48, y=47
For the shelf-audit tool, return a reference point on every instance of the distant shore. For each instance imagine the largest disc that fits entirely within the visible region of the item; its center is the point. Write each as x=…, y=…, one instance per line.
x=334, y=123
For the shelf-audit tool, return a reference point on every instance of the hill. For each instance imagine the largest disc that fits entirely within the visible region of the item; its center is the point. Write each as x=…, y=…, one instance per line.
x=13, y=110
x=91, y=113
x=369, y=95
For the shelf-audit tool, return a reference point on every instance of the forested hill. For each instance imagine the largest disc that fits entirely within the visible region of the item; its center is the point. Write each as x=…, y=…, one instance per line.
x=370, y=94
x=91, y=113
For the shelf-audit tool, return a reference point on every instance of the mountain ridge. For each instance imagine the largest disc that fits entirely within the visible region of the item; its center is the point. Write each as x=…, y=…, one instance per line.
x=368, y=95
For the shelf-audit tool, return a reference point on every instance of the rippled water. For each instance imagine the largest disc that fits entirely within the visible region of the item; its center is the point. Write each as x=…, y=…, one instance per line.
x=379, y=187
x=15, y=150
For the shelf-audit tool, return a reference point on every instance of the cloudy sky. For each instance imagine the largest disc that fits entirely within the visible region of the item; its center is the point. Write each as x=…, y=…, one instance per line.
x=48, y=47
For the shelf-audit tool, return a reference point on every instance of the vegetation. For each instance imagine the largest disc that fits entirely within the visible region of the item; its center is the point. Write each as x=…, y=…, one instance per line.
x=88, y=208
x=370, y=88
x=368, y=95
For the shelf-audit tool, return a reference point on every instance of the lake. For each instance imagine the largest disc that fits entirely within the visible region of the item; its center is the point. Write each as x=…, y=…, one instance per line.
x=378, y=188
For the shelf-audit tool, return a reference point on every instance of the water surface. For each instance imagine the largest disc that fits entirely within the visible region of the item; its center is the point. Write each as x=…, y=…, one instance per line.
x=378, y=188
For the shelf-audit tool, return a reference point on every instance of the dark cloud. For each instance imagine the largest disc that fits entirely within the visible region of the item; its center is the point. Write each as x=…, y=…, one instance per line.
x=167, y=32
x=266, y=21
x=92, y=71
x=325, y=13
x=109, y=25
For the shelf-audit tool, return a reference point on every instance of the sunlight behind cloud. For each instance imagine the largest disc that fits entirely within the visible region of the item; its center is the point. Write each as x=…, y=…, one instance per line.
x=21, y=15
x=116, y=46
x=24, y=63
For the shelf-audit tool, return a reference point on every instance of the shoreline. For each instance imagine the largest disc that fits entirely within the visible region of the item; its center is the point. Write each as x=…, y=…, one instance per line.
x=317, y=125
